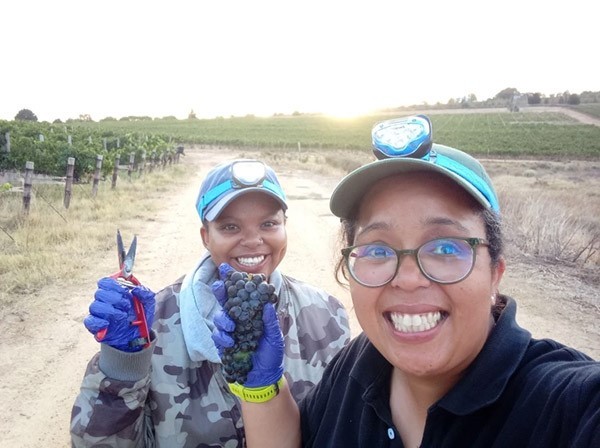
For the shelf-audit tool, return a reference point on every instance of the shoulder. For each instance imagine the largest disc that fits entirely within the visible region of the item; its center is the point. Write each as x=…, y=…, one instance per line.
x=548, y=357
x=338, y=395
x=357, y=349
x=550, y=354
x=560, y=386
x=559, y=373
x=358, y=352
x=319, y=316
x=167, y=300
x=309, y=294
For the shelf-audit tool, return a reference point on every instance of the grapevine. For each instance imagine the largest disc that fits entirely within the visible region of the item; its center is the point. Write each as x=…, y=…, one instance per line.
x=246, y=297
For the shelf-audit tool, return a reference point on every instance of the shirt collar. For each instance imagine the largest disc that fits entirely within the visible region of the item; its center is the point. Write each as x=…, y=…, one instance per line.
x=483, y=382
x=486, y=378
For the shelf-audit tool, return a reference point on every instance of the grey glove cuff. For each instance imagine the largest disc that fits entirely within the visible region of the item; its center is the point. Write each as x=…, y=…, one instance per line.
x=126, y=366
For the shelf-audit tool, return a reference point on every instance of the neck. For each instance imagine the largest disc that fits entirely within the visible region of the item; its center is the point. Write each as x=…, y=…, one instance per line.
x=410, y=399
x=422, y=392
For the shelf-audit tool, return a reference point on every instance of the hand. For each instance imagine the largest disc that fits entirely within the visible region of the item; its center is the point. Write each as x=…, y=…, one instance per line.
x=267, y=359
x=112, y=309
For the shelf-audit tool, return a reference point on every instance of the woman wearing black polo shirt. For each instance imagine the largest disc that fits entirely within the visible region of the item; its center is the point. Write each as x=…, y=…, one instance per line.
x=441, y=361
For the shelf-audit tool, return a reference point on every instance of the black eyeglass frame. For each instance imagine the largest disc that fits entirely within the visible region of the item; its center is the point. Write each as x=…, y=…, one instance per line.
x=473, y=242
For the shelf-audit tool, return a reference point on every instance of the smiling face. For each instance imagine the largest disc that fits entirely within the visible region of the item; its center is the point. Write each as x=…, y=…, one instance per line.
x=249, y=234
x=423, y=328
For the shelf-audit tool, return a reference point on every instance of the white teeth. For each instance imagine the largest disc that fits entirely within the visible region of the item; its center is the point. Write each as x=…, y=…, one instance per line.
x=414, y=323
x=251, y=261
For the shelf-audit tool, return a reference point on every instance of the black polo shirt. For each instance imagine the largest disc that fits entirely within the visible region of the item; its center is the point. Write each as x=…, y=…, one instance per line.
x=519, y=392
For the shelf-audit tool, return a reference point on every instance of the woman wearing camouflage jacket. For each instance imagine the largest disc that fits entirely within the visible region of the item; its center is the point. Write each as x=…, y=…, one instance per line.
x=170, y=391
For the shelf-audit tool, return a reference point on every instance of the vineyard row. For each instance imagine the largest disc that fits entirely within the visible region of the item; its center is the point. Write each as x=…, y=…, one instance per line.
x=50, y=146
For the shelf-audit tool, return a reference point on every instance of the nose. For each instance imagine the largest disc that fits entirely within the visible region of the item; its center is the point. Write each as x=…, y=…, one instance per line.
x=252, y=239
x=408, y=275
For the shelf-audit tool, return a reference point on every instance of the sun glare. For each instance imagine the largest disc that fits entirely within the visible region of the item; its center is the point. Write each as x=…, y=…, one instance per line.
x=347, y=111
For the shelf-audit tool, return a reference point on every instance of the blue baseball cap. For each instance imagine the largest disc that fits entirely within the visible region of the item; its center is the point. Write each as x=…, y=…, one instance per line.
x=393, y=145
x=229, y=180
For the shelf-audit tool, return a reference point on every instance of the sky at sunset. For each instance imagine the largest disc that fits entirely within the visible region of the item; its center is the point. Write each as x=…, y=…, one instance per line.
x=64, y=58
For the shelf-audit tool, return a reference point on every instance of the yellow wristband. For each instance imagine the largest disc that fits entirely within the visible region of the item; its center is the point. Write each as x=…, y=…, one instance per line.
x=256, y=394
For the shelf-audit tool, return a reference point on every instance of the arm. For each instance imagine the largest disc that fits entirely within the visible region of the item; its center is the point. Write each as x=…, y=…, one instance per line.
x=271, y=416
x=109, y=408
x=280, y=413
x=111, y=411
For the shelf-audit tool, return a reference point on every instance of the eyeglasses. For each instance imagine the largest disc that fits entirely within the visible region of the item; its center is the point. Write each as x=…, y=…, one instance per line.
x=442, y=260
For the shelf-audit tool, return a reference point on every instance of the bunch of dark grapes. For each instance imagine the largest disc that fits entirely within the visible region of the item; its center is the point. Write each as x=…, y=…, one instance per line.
x=246, y=296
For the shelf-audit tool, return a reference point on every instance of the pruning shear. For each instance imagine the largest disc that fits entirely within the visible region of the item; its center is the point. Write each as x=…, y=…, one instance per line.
x=125, y=277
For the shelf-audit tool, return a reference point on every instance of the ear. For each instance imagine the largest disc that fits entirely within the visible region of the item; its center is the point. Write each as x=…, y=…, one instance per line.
x=204, y=235
x=498, y=273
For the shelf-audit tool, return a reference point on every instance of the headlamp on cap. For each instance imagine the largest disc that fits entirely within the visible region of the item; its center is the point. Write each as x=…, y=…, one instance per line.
x=402, y=137
x=248, y=173
x=403, y=145
x=411, y=138
x=224, y=183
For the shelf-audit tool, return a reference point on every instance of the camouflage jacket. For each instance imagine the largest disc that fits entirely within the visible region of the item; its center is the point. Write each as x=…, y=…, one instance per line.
x=161, y=397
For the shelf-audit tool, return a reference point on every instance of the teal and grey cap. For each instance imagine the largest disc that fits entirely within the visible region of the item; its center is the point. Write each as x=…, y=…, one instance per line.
x=457, y=165
x=229, y=180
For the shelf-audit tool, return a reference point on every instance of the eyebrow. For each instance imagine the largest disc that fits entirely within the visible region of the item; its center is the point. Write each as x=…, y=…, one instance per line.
x=441, y=221
x=427, y=222
x=225, y=217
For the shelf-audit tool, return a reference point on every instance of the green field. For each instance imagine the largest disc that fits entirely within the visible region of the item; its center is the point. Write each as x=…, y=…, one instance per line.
x=531, y=133
x=524, y=134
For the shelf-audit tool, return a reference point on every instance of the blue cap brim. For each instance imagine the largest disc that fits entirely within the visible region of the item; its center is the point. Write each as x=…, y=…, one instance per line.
x=215, y=210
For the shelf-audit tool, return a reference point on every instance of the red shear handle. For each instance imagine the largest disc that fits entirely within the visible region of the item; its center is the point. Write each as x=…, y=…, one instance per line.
x=100, y=335
x=140, y=317
x=140, y=320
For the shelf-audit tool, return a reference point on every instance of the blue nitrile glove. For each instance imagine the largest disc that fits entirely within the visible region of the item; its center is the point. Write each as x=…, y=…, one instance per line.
x=113, y=309
x=267, y=360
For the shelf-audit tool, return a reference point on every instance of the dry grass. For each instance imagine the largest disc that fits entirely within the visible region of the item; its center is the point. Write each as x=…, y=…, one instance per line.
x=551, y=212
x=52, y=242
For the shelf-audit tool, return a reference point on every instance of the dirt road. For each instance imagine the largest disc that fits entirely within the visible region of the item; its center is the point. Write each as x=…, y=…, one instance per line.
x=44, y=346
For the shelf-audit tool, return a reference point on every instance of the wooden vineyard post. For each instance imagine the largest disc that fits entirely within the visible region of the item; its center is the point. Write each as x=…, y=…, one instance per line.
x=151, y=164
x=142, y=163
x=69, y=181
x=131, y=161
x=27, y=186
x=97, y=175
x=115, y=172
